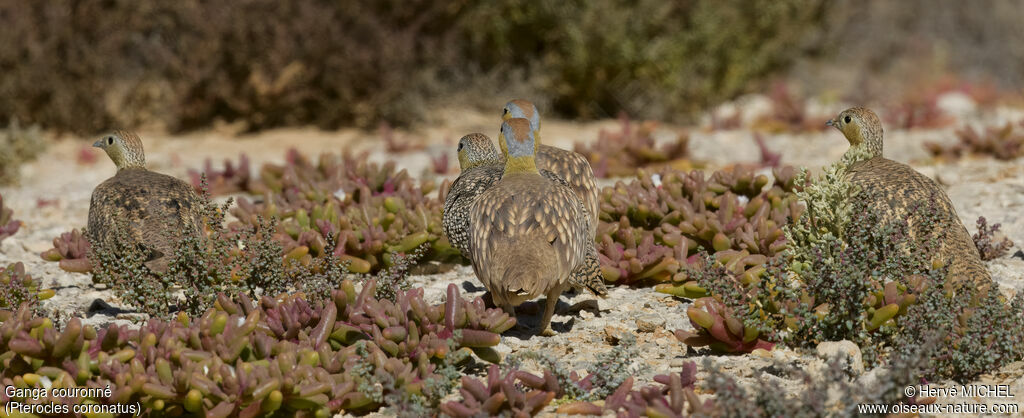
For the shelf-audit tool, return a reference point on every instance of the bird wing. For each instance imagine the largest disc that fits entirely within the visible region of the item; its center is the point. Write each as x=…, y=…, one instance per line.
x=157, y=208
x=576, y=171
x=896, y=191
x=525, y=208
x=463, y=192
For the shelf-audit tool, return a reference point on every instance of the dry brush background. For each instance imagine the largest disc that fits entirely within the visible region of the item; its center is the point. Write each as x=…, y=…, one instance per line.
x=711, y=85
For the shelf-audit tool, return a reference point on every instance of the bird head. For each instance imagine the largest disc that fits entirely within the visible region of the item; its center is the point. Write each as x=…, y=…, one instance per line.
x=476, y=149
x=518, y=144
x=519, y=108
x=124, y=149
x=861, y=127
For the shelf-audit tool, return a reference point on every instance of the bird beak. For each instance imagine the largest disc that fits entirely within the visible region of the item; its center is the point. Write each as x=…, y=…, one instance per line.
x=98, y=144
x=830, y=123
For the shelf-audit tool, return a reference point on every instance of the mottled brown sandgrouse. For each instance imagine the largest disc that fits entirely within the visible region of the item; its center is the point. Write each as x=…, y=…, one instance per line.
x=569, y=165
x=157, y=209
x=527, y=234
x=894, y=190
x=482, y=167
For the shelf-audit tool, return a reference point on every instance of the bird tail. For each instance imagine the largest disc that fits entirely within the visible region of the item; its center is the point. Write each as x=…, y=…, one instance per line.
x=530, y=272
x=589, y=275
x=965, y=259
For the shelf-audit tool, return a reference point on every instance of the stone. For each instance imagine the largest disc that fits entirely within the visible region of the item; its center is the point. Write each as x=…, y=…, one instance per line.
x=613, y=334
x=844, y=349
x=649, y=323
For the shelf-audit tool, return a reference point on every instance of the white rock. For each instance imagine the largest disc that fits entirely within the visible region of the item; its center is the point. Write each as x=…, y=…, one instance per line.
x=844, y=349
x=956, y=103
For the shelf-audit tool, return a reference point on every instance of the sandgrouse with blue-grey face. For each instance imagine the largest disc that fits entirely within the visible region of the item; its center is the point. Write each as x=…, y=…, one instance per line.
x=569, y=165
x=527, y=234
x=482, y=166
x=894, y=189
x=157, y=209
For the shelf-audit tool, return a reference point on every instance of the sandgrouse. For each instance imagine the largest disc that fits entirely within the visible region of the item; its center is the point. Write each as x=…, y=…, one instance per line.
x=482, y=167
x=157, y=209
x=526, y=233
x=569, y=165
x=894, y=189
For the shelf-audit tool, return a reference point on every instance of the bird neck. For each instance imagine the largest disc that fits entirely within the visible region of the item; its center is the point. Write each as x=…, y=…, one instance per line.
x=863, y=150
x=874, y=147
x=129, y=170
x=867, y=141
x=465, y=163
x=126, y=165
x=523, y=164
x=859, y=153
x=124, y=159
x=468, y=163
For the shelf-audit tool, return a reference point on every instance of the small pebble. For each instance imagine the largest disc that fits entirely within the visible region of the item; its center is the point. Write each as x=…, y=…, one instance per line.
x=613, y=334
x=649, y=323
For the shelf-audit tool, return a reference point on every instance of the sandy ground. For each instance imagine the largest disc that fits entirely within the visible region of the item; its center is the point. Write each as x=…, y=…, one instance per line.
x=54, y=198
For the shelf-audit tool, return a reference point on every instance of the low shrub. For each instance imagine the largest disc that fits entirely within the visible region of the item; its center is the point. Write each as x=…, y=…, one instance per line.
x=989, y=246
x=844, y=274
x=17, y=287
x=366, y=62
x=17, y=146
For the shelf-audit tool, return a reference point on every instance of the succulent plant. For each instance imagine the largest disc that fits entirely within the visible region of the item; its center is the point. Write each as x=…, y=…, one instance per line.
x=8, y=225
x=617, y=154
x=647, y=226
x=717, y=327
x=231, y=179
x=247, y=359
x=71, y=249
x=17, y=287
x=653, y=225
x=1002, y=142
x=515, y=393
x=371, y=210
x=675, y=396
x=518, y=393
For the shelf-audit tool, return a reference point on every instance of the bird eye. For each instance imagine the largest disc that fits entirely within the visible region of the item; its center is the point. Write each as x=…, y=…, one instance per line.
x=846, y=119
x=110, y=140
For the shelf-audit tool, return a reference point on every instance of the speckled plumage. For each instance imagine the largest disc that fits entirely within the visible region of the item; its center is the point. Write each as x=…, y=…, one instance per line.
x=527, y=234
x=894, y=189
x=569, y=165
x=158, y=209
x=482, y=167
